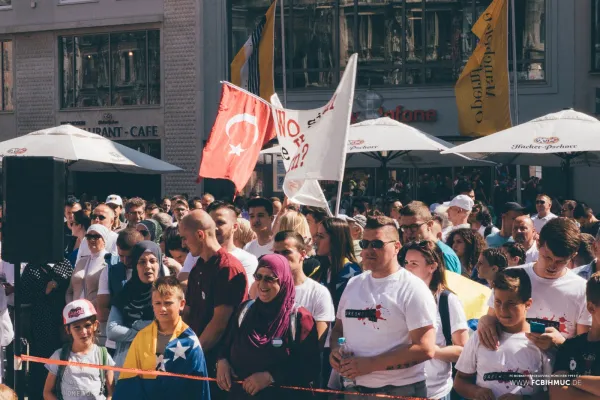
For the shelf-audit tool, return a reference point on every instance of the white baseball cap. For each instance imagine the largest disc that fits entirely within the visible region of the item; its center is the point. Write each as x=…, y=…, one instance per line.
x=462, y=201
x=78, y=310
x=114, y=199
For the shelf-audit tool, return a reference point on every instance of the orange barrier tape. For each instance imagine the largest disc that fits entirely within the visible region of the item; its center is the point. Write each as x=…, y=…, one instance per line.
x=198, y=378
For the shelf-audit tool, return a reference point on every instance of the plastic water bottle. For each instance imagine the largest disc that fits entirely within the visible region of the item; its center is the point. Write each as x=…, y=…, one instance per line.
x=345, y=352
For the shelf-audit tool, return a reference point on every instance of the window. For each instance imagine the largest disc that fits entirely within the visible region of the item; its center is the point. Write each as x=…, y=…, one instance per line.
x=596, y=35
x=7, y=75
x=110, y=70
x=5, y=3
x=399, y=42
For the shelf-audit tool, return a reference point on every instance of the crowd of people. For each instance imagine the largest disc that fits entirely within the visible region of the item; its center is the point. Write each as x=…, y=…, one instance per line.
x=263, y=293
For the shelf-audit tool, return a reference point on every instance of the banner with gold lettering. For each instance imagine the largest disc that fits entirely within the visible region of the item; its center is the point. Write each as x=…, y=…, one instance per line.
x=482, y=90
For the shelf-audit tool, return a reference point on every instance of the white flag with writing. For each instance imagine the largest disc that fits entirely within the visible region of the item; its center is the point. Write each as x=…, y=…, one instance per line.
x=304, y=192
x=313, y=142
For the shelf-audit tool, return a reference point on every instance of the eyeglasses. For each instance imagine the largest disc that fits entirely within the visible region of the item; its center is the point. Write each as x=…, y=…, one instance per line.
x=374, y=244
x=96, y=216
x=540, y=202
x=145, y=233
x=413, y=228
x=267, y=278
x=91, y=236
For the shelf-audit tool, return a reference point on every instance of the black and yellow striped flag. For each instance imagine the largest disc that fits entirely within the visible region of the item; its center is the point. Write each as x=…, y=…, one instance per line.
x=252, y=67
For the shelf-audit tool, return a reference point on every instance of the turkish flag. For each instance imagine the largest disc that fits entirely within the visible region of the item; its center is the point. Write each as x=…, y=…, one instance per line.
x=243, y=125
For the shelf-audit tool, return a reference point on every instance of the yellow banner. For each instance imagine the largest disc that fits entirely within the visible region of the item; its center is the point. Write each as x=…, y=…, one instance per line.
x=482, y=91
x=252, y=67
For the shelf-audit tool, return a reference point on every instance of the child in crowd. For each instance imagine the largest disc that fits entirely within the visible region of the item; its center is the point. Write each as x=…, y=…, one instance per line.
x=487, y=374
x=515, y=253
x=491, y=261
x=72, y=382
x=167, y=345
x=580, y=355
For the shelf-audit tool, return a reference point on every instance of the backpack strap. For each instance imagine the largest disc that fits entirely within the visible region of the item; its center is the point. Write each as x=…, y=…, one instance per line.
x=243, y=311
x=445, y=316
x=103, y=361
x=65, y=351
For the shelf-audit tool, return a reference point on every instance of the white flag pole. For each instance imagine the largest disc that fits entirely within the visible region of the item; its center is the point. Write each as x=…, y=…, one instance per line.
x=515, y=88
x=283, y=60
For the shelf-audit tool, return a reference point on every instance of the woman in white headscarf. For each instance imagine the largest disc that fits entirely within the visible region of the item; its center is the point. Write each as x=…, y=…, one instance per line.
x=86, y=275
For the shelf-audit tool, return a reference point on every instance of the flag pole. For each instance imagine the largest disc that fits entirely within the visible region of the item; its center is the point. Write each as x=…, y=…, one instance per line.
x=283, y=59
x=515, y=87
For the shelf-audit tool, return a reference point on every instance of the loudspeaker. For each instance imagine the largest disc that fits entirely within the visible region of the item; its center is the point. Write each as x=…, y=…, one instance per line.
x=33, y=214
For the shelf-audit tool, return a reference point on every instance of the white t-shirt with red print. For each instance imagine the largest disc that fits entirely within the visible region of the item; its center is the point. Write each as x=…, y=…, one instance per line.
x=562, y=300
x=516, y=354
x=377, y=316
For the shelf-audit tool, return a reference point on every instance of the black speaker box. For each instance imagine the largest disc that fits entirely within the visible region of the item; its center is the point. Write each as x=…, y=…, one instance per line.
x=33, y=214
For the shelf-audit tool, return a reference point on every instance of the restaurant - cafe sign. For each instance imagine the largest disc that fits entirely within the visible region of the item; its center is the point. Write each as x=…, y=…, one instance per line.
x=111, y=129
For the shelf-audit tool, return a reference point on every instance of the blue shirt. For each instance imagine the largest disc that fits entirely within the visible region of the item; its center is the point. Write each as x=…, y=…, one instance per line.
x=450, y=258
x=494, y=240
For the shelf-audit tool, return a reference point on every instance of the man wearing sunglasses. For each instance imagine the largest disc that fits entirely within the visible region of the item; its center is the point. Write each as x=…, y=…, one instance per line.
x=459, y=210
x=387, y=316
x=416, y=224
x=543, y=203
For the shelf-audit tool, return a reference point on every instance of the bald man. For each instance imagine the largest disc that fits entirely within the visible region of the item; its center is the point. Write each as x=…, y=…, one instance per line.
x=217, y=284
x=524, y=233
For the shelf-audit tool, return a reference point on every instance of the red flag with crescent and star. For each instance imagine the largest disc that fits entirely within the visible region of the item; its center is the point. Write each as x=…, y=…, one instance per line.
x=243, y=125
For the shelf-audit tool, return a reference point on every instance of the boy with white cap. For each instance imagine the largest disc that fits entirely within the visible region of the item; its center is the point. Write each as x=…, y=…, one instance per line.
x=458, y=213
x=70, y=383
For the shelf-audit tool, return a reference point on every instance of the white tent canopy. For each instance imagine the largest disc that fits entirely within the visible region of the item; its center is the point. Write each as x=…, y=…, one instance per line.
x=84, y=151
x=552, y=140
x=384, y=141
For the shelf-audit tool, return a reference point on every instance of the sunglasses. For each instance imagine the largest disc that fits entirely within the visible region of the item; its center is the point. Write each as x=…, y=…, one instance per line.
x=413, y=228
x=540, y=202
x=96, y=216
x=374, y=244
x=267, y=278
x=145, y=233
x=91, y=236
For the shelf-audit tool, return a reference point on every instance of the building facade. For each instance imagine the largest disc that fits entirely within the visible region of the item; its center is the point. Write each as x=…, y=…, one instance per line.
x=147, y=72
x=130, y=70
x=411, y=53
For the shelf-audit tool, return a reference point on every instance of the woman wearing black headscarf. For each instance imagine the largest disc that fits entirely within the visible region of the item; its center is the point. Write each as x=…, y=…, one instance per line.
x=131, y=310
x=270, y=341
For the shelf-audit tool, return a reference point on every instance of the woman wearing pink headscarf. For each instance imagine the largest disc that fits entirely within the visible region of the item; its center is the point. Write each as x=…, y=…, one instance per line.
x=270, y=342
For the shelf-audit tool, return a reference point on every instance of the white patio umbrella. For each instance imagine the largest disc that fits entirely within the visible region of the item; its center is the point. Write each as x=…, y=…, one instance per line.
x=389, y=143
x=84, y=151
x=562, y=139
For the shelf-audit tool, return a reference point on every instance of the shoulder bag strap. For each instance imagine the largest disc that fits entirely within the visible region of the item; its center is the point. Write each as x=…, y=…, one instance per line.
x=445, y=316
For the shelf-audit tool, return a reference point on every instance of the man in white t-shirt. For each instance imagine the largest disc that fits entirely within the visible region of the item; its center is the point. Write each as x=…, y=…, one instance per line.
x=459, y=210
x=523, y=233
x=387, y=316
x=309, y=293
x=543, y=203
x=105, y=216
x=261, y=220
x=225, y=217
x=558, y=293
